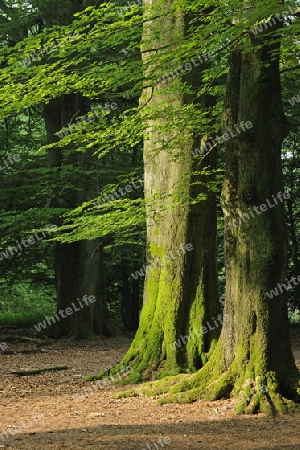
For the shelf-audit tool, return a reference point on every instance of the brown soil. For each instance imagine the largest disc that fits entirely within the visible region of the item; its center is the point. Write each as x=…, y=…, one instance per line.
x=96, y=421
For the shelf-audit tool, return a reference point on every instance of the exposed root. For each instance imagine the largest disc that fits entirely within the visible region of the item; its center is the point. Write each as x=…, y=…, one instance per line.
x=254, y=393
x=153, y=388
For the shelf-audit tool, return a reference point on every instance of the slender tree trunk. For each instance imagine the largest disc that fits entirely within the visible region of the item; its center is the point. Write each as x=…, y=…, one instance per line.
x=130, y=300
x=180, y=291
x=294, y=247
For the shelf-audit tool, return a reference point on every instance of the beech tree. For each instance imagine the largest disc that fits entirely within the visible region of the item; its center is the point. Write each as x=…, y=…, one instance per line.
x=77, y=264
x=253, y=360
x=180, y=291
x=175, y=117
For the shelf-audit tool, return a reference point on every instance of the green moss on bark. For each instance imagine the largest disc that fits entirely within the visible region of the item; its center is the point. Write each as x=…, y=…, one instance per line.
x=247, y=380
x=153, y=352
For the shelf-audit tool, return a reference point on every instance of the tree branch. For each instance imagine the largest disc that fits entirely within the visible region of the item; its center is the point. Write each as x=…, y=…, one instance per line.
x=290, y=68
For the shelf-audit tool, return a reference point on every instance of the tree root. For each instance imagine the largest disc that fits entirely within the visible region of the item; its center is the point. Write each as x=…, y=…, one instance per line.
x=254, y=392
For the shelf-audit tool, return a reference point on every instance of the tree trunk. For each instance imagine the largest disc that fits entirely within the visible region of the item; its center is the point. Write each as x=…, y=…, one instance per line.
x=130, y=300
x=77, y=265
x=255, y=340
x=292, y=219
x=253, y=360
x=180, y=291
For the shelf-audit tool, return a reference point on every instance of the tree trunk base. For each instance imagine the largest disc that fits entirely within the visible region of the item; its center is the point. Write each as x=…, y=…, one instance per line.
x=156, y=352
x=149, y=362
x=141, y=370
x=255, y=392
x=78, y=334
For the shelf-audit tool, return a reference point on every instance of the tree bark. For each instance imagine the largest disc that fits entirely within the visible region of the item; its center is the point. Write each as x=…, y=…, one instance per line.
x=130, y=300
x=78, y=264
x=180, y=291
x=255, y=340
x=292, y=221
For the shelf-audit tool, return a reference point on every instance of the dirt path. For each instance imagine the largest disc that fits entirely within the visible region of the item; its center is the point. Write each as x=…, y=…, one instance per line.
x=44, y=412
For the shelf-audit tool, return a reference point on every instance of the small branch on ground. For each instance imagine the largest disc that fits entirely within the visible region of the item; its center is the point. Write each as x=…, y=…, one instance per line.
x=38, y=342
x=26, y=372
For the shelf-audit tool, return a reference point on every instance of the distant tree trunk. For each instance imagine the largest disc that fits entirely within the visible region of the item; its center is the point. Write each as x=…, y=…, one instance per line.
x=294, y=246
x=130, y=300
x=253, y=360
x=77, y=265
x=180, y=291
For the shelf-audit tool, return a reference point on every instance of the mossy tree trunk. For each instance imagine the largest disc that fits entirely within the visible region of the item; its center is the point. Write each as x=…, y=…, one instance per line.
x=180, y=291
x=255, y=340
x=253, y=360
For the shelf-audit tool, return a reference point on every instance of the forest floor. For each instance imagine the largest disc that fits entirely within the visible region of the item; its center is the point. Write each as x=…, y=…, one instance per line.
x=40, y=412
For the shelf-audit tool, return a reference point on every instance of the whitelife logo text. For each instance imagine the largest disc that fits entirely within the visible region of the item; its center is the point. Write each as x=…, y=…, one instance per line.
x=64, y=313
x=260, y=209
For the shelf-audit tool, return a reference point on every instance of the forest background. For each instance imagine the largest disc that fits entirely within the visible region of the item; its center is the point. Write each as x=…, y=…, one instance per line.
x=78, y=118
